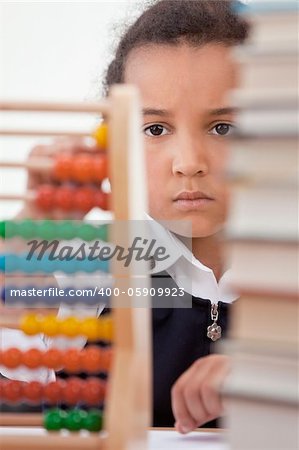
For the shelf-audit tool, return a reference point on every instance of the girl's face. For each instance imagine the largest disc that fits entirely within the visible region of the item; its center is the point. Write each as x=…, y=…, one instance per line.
x=186, y=124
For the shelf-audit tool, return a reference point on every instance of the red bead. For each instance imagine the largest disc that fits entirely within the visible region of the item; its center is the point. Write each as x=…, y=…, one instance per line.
x=72, y=392
x=33, y=392
x=13, y=391
x=53, y=391
x=72, y=360
x=52, y=359
x=63, y=198
x=99, y=168
x=45, y=197
x=101, y=200
x=32, y=358
x=92, y=359
x=11, y=358
x=82, y=168
x=94, y=391
x=84, y=199
x=63, y=167
x=107, y=359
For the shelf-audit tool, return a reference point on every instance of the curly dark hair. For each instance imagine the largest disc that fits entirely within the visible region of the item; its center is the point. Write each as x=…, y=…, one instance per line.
x=196, y=22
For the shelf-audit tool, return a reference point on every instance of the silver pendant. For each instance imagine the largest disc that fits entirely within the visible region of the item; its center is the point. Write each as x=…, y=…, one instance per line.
x=214, y=332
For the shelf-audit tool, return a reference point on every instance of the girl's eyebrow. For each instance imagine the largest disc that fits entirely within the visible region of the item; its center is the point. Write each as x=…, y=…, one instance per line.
x=155, y=112
x=222, y=111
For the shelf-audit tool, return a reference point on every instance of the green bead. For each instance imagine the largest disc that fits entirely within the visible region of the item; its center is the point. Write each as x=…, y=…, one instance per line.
x=11, y=229
x=47, y=229
x=54, y=419
x=2, y=228
x=66, y=230
x=102, y=233
x=75, y=419
x=87, y=232
x=93, y=421
x=27, y=229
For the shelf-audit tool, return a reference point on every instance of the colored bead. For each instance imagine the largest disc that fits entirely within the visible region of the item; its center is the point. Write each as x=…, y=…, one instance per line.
x=32, y=358
x=2, y=228
x=94, y=391
x=30, y=324
x=2, y=263
x=62, y=169
x=75, y=419
x=49, y=325
x=47, y=230
x=53, y=391
x=67, y=230
x=52, y=359
x=72, y=393
x=70, y=327
x=11, y=229
x=106, y=329
x=72, y=360
x=11, y=358
x=13, y=391
x=84, y=199
x=102, y=233
x=101, y=136
x=64, y=198
x=94, y=421
x=101, y=200
x=90, y=328
x=82, y=168
x=107, y=359
x=92, y=359
x=32, y=392
x=27, y=229
x=99, y=168
x=54, y=419
x=45, y=197
x=87, y=232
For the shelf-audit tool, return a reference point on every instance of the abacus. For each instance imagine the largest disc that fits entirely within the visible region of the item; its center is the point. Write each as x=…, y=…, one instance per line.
x=127, y=408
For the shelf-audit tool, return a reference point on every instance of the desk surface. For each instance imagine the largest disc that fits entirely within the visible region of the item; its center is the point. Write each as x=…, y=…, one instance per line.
x=159, y=439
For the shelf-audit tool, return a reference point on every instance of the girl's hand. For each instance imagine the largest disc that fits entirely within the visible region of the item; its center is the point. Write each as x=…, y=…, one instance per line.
x=196, y=394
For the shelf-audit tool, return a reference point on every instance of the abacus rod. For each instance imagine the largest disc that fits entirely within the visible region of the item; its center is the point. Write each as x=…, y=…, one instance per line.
x=21, y=420
x=32, y=133
x=102, y=107
x=40, y=164
x=52, y=441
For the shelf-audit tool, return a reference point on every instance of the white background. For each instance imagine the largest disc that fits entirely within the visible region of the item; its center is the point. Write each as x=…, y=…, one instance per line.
x=53, y=51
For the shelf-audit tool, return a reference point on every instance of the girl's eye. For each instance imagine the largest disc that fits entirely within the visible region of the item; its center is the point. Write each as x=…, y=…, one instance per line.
x=155, y=130
x=222, y=129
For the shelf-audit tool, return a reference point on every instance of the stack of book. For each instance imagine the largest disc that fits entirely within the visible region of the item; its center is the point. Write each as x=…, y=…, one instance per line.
x=262, y=390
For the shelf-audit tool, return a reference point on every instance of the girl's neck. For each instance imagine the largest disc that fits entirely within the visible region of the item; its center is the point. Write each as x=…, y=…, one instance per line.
x=210, y=252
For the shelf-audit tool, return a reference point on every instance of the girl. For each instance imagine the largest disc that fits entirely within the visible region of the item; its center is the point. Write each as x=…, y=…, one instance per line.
x=178, y=54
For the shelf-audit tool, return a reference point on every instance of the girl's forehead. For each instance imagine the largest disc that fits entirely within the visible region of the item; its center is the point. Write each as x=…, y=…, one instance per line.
x=176, y=74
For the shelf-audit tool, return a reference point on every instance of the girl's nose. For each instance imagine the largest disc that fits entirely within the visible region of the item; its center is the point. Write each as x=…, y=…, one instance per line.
x=190, y=159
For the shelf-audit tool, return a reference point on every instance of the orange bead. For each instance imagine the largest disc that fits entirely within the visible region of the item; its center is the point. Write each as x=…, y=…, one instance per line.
x=32, y=358
x=84, y=199
x=82, y=168
x=45, y=197
x=11, y=358
x=94, y=392
x=107, y=359
x=52, y=359
x=33, y=392
x=63, y=167
x=72, y=393
x=53, y=391
x=13, y=390
x=101, y=200
x=99, y=168
x=72, y=360
x=92, y=359
x=63, y=198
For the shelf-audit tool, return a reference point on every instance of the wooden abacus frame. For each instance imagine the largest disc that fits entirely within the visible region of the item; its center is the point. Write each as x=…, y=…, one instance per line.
x=129, y=399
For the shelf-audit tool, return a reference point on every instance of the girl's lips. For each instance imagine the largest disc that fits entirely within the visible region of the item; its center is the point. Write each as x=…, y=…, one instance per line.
x=193, y=204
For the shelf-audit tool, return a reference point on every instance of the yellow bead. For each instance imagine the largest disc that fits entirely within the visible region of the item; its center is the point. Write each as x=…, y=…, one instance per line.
x=69, y=327
x=50, y=325
x=30, y=324
x=90, y=328
x=101, y=136
x=106, y=329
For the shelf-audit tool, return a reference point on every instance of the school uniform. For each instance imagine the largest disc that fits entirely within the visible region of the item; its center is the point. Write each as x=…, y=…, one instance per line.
x=179, y=324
